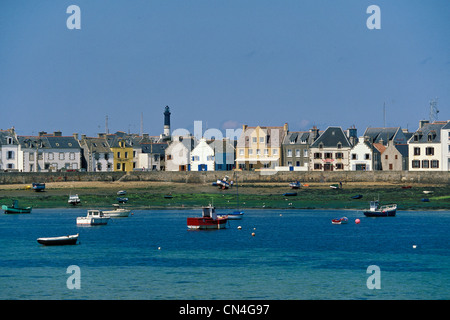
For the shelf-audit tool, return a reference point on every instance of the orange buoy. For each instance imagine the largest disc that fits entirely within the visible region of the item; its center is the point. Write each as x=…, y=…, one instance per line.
x=357, y=221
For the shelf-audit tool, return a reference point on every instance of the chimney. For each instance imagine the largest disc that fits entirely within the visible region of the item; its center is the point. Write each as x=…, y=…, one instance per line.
x=42, y=133
x=314, y=133
x=75, y=135
x=422, y=123
x=101, y=135
x=57, y=134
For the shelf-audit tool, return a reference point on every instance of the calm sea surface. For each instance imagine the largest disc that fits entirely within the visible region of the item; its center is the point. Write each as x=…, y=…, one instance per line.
x=295, y=254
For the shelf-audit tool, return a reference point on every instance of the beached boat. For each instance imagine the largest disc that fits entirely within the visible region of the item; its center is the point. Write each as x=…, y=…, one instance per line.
x=117, y=212
x=342, y=220
x=376, y=210
x=295, y=185
x=38, y=186
x=223, y=183
x=59, y=241
x=74, y=199
x=14, y=208
x=122, y=199
x=121, y=192
x=357, y=196
x=93, y=218
x=427, y=192
x=290, y=194
x=336, y=186
x=208, y=220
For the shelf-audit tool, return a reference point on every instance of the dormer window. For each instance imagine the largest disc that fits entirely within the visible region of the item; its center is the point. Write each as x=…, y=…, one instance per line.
x=9, y=140
x=321, y=145
x=339, y=145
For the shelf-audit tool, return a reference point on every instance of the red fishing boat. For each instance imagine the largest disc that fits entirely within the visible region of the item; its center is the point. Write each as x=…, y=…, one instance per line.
x=208, y=220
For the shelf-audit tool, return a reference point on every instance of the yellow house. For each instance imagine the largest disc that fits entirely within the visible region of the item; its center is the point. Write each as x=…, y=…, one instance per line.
x=123, y=153
x=260, y=147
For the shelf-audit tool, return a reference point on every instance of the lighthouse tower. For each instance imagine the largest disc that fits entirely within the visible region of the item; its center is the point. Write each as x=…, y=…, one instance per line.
x=167, y=123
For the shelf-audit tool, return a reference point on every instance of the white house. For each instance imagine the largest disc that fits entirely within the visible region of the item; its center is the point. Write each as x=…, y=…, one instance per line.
x=202, y=157
x=178, y=154
x=425, y=148
x=445, y=146
x=364, y=156
x=9, y=150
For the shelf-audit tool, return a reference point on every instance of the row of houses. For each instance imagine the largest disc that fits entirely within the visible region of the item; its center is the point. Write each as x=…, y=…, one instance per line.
x=257, y=148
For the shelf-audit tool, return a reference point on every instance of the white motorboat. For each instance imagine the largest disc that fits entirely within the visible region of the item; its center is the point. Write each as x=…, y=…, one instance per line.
x=74, y=199
x=117, y=212
x=93, y=218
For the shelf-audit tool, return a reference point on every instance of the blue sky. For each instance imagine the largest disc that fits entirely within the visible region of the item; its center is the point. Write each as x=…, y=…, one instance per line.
x=226, y=63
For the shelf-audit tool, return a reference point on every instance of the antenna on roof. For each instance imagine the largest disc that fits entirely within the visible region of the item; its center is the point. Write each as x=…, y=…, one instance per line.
x=106, y=125
x=384, y=114
x=433, y=110
x=142, y=123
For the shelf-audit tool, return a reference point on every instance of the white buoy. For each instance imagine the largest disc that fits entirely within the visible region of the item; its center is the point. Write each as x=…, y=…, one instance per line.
x=253, y=234
x=414, y=246
x=159, y=248
x=239, y=227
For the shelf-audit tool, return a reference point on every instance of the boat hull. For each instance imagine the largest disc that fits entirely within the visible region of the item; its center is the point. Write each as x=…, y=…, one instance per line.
x=84, y=221
x=384, y=213
x=205, y=223
x=120, y=213
x=59, y=241
x=10, y=210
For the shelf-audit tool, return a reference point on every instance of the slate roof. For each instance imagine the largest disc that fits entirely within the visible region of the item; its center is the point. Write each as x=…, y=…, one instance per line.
x=154, y=148
x=429, y=133
x=99, y=145
x=4, y=134
x=378, y=134
x=62, y=142
x=331, y=137
x=297, y=137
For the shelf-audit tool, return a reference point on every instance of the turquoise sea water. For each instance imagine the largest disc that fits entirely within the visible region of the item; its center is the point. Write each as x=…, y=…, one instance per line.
x=295, y=254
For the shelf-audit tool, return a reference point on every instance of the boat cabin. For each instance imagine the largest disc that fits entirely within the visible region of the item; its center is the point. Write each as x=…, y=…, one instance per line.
x=95, y=213
x=209, y=212
x=374, y=205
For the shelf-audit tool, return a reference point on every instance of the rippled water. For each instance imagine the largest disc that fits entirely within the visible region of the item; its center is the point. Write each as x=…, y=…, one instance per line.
x=295, y=254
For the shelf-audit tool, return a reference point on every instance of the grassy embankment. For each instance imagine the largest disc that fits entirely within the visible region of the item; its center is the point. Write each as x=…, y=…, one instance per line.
x=251, y=195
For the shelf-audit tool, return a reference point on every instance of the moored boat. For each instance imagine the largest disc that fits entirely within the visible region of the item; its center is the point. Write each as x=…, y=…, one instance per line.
x=117, y=212
x=93, y=218
x=376, y=210
x=38, y=186
x=14, y=208
x=208, y=220
x=59, y=241
x=290, y=194
x=295, y=185
x=357, y=196
x=122, y=199
x=342, y=220
x=74, y=199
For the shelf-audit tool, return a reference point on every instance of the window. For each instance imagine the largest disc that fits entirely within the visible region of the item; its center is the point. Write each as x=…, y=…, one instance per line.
x=10, y=155
x=297, y=152
x=266, y=152
x=339, y=155
x=126, y=155
x=328, y=155
x=339, y=166
x=72, y=156
x=417, y=151
x=416, y=163
x=169, y=157
x=425, y=164
x=391, y=167
x=289, y=153
x=354, y=156
x=50, y=156
x=305, y=152
x=275, y=152
x=254, y=139
x=435, y=164
x=297, y=163
x=386, y=157
x=118, y=155
x=250, y=152
x=429, y=151
x=396, y=157
x=258, y=152
x=339, y=145
x=118, y=166
x=241, y=152
x=261, y=139
x=61, y=156
x=31, y=157
x=317, y=166
x=317, y=155
x=9, y=140
x=367, y=156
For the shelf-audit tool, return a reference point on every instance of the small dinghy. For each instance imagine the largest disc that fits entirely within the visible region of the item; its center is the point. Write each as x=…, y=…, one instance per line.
x=59, y=241
x=342, y=220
